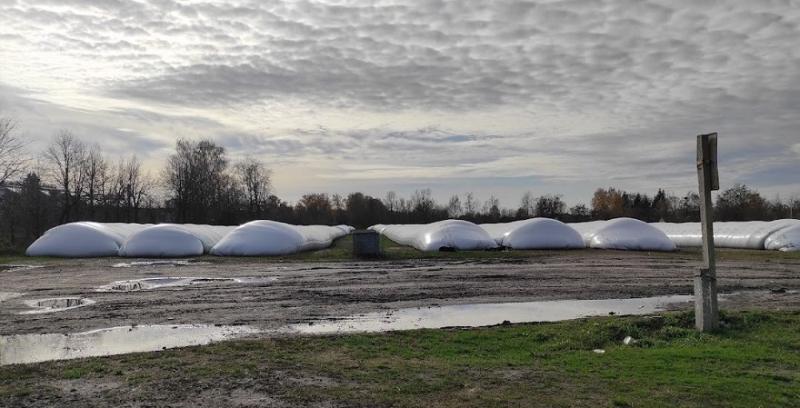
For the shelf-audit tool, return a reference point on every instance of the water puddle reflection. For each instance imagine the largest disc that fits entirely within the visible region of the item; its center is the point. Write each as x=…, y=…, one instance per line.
x=56, y=304
x=175, y=281
x=32, y=348
x=9, y=295
x=163, y=262
x=29, y=348
x=15, y=268
x=487, y=314
x=155, y=283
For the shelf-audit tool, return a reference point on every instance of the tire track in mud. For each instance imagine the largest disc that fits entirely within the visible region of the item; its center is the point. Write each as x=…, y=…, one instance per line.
x=304, y=291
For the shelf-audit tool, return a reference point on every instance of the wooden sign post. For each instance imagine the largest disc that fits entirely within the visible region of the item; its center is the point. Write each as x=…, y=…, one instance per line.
x=706, y=311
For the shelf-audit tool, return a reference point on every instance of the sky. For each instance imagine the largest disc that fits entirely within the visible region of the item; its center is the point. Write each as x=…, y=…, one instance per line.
x=494, y=97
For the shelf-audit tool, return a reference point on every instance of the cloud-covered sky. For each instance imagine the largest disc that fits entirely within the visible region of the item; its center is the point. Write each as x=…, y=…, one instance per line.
x=496, y=97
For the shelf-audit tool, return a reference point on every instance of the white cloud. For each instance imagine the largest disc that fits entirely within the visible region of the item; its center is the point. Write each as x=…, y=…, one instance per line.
x=572, y=91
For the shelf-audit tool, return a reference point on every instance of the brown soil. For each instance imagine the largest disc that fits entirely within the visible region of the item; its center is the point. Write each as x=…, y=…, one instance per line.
x=307, y=291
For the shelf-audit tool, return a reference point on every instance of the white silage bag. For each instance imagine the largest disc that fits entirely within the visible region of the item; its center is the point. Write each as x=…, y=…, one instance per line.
x=437, y=236
x=631, y=234
x=535, y=233
x=787, y=240
x=165, y=240
x=83, y=239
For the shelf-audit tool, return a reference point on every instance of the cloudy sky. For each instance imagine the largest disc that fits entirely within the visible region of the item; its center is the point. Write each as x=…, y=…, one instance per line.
x=496, y=97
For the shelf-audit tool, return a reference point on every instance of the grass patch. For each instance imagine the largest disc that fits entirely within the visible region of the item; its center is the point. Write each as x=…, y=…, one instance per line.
x=342, y=250
x=21, y=258
x=86, y=368
x=753, y=361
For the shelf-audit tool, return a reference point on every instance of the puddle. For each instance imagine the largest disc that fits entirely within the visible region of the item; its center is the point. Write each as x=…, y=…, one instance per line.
x=253, y=280
x=156, y=283
x=487, y=314
x=32, y=348
x=164, y=262
x=56, y=304
x=9, y=295
x=16, y=268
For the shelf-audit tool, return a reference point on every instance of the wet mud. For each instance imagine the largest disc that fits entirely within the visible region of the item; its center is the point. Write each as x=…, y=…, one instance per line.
x=270, y=295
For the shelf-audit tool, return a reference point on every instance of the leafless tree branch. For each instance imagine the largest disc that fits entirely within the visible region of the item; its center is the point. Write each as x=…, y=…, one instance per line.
x=12, y=151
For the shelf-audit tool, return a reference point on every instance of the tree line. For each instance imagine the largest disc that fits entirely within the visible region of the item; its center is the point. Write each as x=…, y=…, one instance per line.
x=199, y=184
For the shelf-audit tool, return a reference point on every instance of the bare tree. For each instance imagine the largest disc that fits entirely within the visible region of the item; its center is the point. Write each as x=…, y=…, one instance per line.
x=137, y=187
x=454, y=209
x=337, y=202
x=66, y=155
x=492, y=208
x=550, y=206
x=390, y=201
x=470, y=204
x=115, y=197
x=580, y=212
x=95, y=168
x=32, y=212
x=423, y=205
x=198, y=182
x=527, y=205
x=12, y=157
x=313, y=208
x=130, y=189
x=255, y=180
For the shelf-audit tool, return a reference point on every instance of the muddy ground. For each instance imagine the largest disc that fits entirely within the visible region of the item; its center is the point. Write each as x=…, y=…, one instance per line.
x=304, y=291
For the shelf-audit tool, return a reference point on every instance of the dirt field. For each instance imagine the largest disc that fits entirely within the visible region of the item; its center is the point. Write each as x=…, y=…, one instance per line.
x=299, y=291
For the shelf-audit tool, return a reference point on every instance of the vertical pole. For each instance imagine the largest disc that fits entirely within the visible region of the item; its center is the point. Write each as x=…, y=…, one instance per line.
x=705, y=282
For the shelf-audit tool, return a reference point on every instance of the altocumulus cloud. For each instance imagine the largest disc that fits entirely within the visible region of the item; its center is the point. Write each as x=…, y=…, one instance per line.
x=560, y=95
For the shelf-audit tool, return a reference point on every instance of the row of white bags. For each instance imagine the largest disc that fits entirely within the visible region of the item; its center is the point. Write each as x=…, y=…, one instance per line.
x=620, y=233
x=256, y=238
x=92, y=239
x=534, y=233
x=782, y=235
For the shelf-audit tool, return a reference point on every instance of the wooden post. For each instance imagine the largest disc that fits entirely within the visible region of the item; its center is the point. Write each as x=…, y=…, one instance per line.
x=705, y=282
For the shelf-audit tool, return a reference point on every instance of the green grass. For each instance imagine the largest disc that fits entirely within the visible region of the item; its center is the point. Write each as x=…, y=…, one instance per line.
x=27, y=260
x=753, y=361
